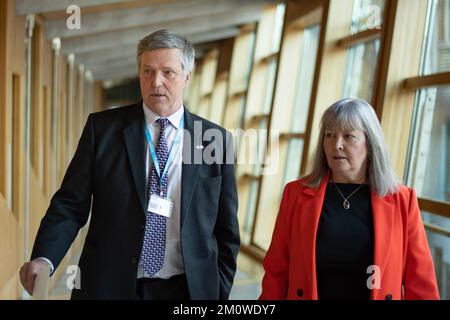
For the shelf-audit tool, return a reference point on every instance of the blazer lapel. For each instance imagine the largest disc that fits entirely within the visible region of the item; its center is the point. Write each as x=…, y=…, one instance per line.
x=190, y=169
x=309, y=221
x=133, y=135
x=383, y=217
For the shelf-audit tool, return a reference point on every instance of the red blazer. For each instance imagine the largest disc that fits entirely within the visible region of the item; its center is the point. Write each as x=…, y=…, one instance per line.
x=401, y=247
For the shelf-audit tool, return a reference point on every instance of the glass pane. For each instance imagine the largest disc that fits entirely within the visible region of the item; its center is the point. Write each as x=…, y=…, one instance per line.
x=248, y=62
x=269, y=86
x=278, y=28
x=429, y=167
x=294, y=157
x=250, y=216
x=235, y=121
x=262, y=141
x=437, y=38
x=305, y=80
x=240, y=120
x=360, y=70
x=241, y=63
x=208, y=74
x=440, y=250
x=367, y=14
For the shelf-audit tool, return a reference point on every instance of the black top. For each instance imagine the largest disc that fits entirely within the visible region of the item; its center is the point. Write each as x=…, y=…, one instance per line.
x=344, y=243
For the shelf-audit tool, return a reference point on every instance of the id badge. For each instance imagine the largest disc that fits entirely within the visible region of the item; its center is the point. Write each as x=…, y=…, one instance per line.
x=160, y=206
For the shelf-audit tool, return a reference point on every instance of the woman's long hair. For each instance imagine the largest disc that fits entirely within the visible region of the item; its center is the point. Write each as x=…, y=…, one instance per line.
x=355, y=114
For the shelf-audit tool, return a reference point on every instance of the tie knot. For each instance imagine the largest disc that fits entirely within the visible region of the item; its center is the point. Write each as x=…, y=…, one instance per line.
x=163, y=122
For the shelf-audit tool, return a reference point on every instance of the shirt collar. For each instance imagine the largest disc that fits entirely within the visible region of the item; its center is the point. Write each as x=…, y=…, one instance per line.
x=174, y=118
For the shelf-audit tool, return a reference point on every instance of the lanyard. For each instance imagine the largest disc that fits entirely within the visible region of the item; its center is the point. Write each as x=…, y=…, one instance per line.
x=171, y=153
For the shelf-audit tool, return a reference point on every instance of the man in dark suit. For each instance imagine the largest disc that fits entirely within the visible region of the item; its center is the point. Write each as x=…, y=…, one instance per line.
x=164, y=202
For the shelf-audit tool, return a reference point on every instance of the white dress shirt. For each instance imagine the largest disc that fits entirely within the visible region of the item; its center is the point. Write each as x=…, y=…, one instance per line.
x=173, y=262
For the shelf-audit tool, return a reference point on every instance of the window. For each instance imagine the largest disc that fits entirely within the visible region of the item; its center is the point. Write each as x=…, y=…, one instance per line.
x=428, y=170
x=218, y=98
x=437, y=47
x=192, y=92
x=367, y=14
x=257, y=111
x=439, y=241
x=363, y=47
x=220, y=89
x=247, y=227
x=430, y=160
x=293, y=160
x=428, y=165
x=289, y=114
x=360, y=70
x=207, y=81
x=240, y=70
x=241, y=63
x=308, y=57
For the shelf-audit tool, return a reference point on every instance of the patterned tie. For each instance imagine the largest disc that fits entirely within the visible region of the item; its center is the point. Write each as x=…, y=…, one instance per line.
x=153, y=247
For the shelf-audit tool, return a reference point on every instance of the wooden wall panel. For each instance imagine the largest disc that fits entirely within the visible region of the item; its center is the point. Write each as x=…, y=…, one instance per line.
x=11, y=222
x=12, y=144
x=3, y=119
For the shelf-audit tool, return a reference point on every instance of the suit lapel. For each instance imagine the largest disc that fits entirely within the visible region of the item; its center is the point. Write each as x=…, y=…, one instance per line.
x=309, y=222
x=190, y=170
x=133, y=135
x=383, y=217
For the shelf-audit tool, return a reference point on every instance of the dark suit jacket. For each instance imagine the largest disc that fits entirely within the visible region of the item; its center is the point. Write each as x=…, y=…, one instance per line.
x=109, y=168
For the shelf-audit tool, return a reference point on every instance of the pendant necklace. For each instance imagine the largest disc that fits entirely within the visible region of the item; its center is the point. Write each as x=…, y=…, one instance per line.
x=346, y=204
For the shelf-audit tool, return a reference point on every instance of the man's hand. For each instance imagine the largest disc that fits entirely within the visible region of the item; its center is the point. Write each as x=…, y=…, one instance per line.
x=29, y=271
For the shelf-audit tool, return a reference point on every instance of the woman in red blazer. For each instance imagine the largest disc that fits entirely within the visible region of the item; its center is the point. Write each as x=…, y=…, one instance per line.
x=349, y=230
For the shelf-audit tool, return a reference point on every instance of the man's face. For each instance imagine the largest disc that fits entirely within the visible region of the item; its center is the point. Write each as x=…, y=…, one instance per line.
x=162, y=80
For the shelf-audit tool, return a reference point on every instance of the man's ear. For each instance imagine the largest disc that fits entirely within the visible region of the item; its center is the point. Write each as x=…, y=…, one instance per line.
x=189, y=76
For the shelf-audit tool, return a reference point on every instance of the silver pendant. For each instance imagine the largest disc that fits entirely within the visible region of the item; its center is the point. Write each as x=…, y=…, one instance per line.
x=346, y=205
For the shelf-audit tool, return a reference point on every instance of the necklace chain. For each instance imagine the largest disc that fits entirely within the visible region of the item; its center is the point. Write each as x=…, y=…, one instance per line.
x=346, y=204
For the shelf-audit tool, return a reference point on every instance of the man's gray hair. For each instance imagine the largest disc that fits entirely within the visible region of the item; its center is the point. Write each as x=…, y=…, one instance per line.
x=355, y=114
x=166, y=39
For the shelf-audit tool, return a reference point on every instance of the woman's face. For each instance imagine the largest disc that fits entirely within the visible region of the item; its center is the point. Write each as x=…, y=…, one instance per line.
x=346, y=153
